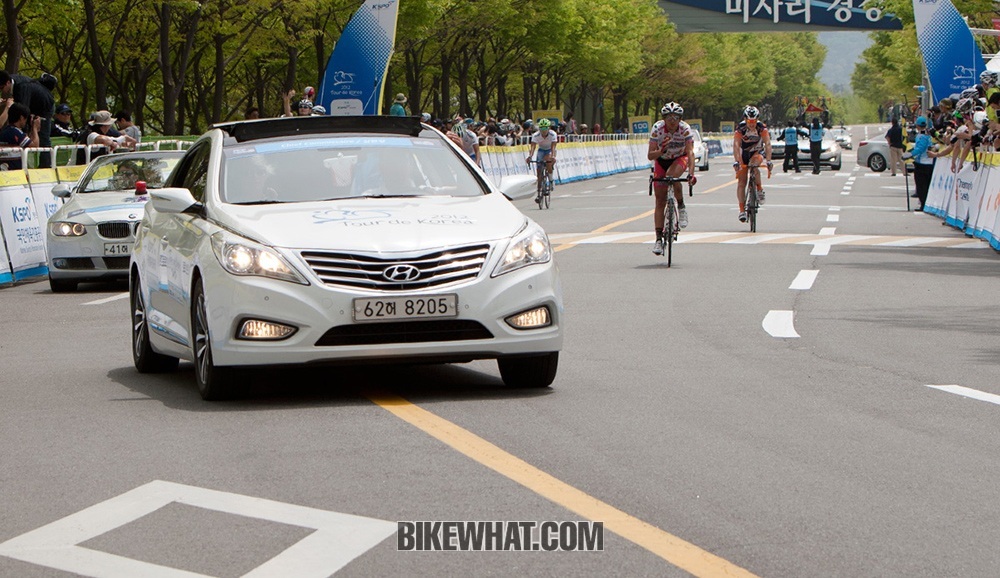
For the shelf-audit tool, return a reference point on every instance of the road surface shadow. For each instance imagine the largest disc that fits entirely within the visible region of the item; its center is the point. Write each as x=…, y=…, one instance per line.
x=284, y=388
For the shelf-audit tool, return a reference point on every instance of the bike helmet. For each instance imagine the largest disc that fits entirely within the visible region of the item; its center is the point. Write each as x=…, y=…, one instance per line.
x=544, y=123
x=979, y=118
x=751, y=112
x=672, y=108
x=972, y=93
x=989, y=77
x=965, y=106
x=304, y=103
x=425, y=117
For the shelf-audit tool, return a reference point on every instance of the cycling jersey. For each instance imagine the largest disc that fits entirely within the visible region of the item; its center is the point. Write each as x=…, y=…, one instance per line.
x=676, y=141
x=545, y=142
x=751, y=139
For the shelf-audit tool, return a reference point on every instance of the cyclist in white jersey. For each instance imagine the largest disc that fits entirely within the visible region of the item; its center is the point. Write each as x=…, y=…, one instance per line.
x=545, y=140
x=671, y=148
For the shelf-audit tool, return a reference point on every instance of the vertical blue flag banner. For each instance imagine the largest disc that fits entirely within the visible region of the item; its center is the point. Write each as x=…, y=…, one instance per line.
x=951, y=55
x=352, y=83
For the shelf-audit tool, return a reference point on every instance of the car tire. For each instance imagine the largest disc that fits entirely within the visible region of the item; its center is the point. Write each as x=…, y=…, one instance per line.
x=214, y=383
x=145, y=359
x=837, y=166
x=877, y=162
x=529, y=370
x=62, y=285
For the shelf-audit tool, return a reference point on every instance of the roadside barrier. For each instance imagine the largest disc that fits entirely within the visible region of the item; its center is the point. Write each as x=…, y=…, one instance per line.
x=970, y=199
x=585, y=157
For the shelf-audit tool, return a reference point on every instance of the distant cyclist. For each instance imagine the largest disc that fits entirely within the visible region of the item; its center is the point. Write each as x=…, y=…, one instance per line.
x=671, y=147
x=545, y=140
x=751, y=146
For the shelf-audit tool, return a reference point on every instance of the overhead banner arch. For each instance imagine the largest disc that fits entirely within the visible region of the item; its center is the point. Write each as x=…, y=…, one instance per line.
x=776, y=16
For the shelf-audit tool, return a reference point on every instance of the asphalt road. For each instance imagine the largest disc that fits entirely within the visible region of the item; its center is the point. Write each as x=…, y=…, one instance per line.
x=685, y=416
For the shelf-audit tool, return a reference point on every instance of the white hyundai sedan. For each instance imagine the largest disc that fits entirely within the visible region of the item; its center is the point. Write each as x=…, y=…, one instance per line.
x=338, y=239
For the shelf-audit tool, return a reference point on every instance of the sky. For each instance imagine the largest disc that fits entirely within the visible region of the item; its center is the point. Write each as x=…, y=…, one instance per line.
x=843, y=52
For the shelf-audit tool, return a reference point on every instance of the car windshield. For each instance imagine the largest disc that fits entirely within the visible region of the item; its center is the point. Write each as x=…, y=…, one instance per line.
x=120, y=173
x=329, y=168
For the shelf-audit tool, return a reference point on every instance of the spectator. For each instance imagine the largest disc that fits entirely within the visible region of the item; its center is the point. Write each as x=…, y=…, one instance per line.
x=895, y=138
x=303, y=108
x=569, y=126
x=252, y=113
x=19, y=120
x=597, y=129
x=37, y=96
x=584, y=129
x=923, y=161
x=99, y=132
x=62, y=125
x=465, y=129
x=124, y=124
x=815, y=143
x=448, y=125
x=397, y=108
x=319, y=110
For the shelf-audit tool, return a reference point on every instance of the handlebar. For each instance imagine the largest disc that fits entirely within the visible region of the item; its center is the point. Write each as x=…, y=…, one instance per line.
x=690, y=180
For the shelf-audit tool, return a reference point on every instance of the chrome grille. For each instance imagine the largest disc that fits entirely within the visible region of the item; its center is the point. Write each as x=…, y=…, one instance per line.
x=114, y=230
x=367, y=271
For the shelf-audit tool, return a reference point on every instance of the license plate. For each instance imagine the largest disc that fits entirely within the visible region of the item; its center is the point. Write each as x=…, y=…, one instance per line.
x=118, y=249
x=389, y=308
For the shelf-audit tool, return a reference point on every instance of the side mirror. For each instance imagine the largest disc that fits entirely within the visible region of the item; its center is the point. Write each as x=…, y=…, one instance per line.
x=174, y=200
x=518, y=186
x=62, y=190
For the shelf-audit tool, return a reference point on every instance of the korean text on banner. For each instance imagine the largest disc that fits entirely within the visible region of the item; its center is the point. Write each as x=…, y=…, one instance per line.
x=41, y=181
x=352, y=84
x=22, y=231
x=951, y=55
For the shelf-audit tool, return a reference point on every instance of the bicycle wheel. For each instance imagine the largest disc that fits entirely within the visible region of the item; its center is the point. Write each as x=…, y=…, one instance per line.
x=751, y=201
x=669, y=229
x=547, y=194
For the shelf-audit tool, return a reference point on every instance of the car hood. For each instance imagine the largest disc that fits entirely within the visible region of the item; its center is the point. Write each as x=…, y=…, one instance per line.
x=90, y=208
x=392, y=224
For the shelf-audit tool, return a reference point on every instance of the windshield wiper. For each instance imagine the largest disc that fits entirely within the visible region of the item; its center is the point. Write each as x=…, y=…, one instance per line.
x=261, y=202
x=382, y=196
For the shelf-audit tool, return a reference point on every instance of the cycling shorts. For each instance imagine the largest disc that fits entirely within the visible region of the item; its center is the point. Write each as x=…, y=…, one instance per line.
x=663, y=165
x=540, y=154
x=748, y=155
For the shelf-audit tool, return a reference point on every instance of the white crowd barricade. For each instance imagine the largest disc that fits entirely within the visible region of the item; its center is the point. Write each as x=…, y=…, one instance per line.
x=6, y=277
x=41, y=181
x=22, y=231
x=970, y=199
x=582, y=157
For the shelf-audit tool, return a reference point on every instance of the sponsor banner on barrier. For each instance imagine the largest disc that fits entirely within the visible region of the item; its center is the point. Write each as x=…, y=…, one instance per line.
x=976, y=199
x=985, y=226
x=6, y=277
x=41, y=181
x=941, y=191
x=575, y=160
x=22, y=231
x=70, y=174
x=965, y=186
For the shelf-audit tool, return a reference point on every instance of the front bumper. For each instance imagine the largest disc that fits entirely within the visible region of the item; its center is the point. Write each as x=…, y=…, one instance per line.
x=316, y=309
x=83, y=258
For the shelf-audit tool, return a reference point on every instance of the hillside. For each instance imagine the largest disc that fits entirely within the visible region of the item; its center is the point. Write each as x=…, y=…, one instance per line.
x=843, y=50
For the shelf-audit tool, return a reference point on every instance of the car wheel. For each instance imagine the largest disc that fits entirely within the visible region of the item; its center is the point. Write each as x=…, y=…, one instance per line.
x=62, y=285
x=876, y=162
x=146, y=360
x=214, y=382
x=529, y=370
x=837, y=166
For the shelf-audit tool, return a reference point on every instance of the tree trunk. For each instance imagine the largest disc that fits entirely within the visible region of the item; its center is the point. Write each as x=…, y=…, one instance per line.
x=445, y=85
x=15, y=42
x=220, y=78
x=96, y=56
x=173, y=76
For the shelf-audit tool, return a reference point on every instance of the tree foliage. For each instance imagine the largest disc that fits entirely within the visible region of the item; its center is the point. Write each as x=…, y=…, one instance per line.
x=181, y=65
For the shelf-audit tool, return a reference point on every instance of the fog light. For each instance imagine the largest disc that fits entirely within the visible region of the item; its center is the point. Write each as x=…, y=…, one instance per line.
x=531, y=319
x=59, y=263
x=261, y=330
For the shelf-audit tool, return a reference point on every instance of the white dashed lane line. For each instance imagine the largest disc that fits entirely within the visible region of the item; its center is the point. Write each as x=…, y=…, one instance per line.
x=780, y=324
x=832, y=218
x=107, y=299
x=804, y=280
x=969, y=392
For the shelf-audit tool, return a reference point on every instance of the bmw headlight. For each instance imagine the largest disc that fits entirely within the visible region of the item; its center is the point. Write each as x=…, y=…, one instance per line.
x=64, y=229
x=529, y=247
x=244, y=257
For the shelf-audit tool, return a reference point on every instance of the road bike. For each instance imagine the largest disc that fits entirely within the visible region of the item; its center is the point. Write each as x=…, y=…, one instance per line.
x=752, y=202
x=543, y=194
x=671, y=225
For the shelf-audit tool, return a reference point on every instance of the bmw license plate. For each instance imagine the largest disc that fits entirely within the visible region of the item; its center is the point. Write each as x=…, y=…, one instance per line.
x=117, y=249
x=393, y=308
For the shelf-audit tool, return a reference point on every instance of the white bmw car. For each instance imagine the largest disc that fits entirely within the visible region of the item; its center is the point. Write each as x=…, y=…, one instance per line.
x=338, y=239
x=90, y=237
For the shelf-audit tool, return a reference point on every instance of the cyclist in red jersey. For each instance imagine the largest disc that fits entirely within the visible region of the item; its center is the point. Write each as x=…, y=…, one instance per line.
x=751, y=146
x=671, y=148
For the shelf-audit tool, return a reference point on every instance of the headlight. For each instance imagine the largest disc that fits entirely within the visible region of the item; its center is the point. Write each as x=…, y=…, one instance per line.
x=62, y=229
x=244, y=257
x=529, y=247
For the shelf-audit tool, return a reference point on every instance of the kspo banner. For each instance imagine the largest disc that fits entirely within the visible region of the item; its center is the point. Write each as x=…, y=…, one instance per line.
x=776, y=15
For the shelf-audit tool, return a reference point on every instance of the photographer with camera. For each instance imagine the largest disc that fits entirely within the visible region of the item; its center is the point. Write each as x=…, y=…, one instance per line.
x=20, y=131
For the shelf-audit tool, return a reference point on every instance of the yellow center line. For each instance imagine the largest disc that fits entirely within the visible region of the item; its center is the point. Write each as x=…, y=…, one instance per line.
x=609, y=226
x=674, y=550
